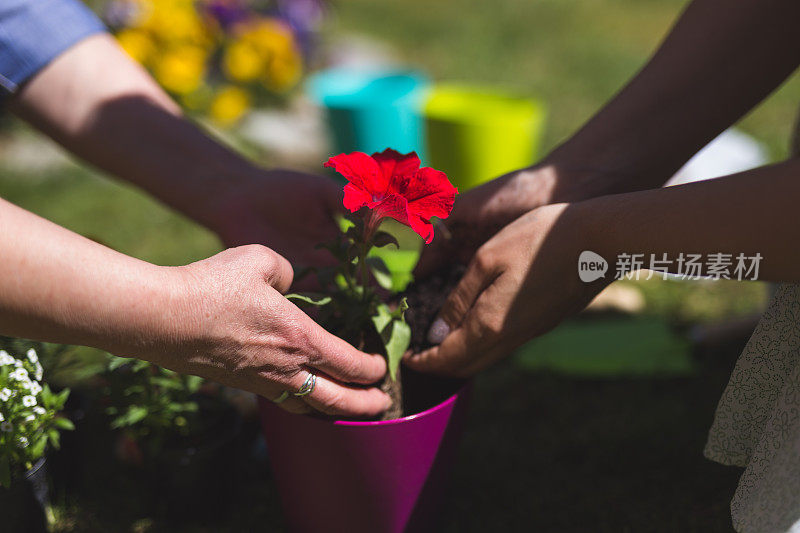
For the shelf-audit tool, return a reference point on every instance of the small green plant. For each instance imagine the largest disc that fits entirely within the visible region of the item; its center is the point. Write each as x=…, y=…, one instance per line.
x=150, y=403
x=29, y=420
x=353, y=299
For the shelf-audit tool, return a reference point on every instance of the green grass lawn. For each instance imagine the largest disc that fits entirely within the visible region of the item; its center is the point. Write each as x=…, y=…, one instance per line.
x=113, y=213
x=573, y=53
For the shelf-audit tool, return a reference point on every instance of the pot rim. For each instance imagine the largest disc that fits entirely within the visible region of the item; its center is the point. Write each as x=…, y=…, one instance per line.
x=36, y=466
x=422, y=414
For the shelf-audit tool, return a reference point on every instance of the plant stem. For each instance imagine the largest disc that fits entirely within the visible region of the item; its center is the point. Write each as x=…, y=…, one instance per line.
x=362, y=263
x=394, y=388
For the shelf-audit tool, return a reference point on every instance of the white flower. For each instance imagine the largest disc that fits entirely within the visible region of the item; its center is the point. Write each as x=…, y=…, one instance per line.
x=20, y=374
x=38, y=371
x=30, y=418
x=32, y=357
x=6, y=426
x=5, y=359
x=2, y=418
x=28, y=401
x=5, y=394
x=35, y=388
x=39, y=410
x=17, y=363
x=26, y=384
x=23, y=442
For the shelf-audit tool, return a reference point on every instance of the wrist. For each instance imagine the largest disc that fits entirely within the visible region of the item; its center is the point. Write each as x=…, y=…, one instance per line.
x=593, y=221
x=577, y=177
x=157, y=317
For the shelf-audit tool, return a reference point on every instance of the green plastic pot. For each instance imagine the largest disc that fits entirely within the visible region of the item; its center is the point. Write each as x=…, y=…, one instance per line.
x=477, y=134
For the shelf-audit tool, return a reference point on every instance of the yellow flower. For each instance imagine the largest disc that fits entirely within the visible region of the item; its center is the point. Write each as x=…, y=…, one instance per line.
x=181, y=70
x=275, y=43
x=284, y=72
x=229, y=105
x=243, y=62
x=137, y=44
x=176, y=21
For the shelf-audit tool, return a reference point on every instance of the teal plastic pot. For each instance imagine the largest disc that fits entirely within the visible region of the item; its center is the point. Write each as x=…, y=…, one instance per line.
x=370, y=110
x=477, y=134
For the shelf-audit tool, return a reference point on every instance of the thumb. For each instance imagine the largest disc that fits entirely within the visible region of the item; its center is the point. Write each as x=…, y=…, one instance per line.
x=480, y=274
x=278, y=272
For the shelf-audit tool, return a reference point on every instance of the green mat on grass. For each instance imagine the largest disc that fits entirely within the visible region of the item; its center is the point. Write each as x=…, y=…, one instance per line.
x=624, y=347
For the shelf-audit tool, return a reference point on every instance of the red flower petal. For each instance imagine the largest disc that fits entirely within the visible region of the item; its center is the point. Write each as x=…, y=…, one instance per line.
x=361, y=170
x=430, y=194
x=355, y=198
x=392, y=206
x=393, y=185
x=394, y=163
x=423, y=228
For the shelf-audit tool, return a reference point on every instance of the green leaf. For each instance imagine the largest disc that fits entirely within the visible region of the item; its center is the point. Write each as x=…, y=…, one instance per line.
x=139, y=365
x=134, y=414
x=395, y=334
x=380, y=271
x=396, y=345
x=383, y=318
x=401, y=308
x=384, y=238
x=345, y=222
x=116, y=362
x=47, y=396
x=309, y=298
x=63, y=423
x=60, y=399
x=193, y=383
x=5, y=472
x=37, y=450
x=190, y=407
x=166, y=383
x=55, y=438
x=400, y=263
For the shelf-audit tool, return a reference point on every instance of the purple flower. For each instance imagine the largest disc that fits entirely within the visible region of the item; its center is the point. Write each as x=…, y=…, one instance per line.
x=227, y=13
x=304, y=17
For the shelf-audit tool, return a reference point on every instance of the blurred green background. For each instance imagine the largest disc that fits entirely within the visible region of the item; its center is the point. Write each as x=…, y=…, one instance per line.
x=573, y=54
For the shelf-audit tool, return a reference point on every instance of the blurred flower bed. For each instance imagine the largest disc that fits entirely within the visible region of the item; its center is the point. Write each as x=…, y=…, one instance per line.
x=219, y=58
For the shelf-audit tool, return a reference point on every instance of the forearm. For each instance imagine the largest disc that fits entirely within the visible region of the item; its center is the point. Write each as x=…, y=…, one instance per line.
x=102, y=106
x=750, y=213
x=58, y=286
x=719, y=61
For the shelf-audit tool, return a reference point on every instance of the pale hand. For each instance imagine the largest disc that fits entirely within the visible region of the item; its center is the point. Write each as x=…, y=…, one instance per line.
x=240, y=331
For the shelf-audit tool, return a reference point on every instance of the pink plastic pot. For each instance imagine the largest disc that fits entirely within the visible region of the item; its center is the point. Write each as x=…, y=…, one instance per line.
x=371, y=477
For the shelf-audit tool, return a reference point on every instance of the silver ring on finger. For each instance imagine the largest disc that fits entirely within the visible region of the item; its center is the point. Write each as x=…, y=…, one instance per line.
x=308, y=385
x=282, y=397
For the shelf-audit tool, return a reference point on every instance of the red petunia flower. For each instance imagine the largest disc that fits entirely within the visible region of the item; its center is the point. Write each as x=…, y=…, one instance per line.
x=393, y=185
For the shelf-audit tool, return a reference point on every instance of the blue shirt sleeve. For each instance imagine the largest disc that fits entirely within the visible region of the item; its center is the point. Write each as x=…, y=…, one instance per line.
x=34, y=32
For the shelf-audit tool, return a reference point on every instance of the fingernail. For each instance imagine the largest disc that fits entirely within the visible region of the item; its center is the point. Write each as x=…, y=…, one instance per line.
x=438, y=332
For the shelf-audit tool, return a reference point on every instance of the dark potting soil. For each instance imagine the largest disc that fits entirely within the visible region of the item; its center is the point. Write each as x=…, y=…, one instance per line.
x=417, y=392
x=425, y=298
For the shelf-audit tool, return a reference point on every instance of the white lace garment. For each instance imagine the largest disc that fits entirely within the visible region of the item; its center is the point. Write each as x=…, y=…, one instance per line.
x=757, y=423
